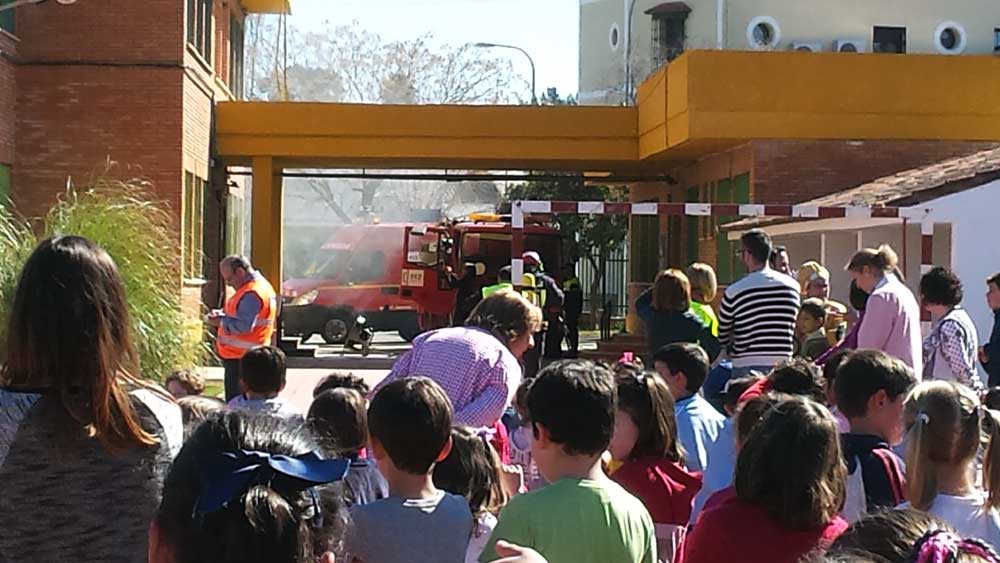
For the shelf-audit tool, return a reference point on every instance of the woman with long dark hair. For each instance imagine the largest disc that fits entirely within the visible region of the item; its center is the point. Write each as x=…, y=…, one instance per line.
x=84, y=443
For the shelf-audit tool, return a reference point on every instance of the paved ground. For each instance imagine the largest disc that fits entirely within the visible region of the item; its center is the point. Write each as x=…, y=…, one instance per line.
x=386, y=348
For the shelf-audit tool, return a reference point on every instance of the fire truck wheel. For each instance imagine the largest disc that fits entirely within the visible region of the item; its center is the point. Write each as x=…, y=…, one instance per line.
x=335, y=330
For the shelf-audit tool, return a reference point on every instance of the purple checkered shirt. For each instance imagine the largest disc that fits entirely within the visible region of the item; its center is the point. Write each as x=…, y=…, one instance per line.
x=475, y=369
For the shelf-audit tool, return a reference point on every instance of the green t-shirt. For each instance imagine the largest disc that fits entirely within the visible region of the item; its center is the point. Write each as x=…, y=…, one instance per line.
x=578, y=521
x=707, y=316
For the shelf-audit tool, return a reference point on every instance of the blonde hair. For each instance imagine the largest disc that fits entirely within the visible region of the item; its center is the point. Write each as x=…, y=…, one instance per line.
x=671, y=291
x=883, y=259
x=704, y=284
x=810, y=271
x=948, y=422
x=507, y=315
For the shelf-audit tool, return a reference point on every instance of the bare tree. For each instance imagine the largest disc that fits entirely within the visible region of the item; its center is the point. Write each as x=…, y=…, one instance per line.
x=350, y=64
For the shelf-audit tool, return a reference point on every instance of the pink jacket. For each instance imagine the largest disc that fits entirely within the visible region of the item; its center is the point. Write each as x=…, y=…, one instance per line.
x=892, y=323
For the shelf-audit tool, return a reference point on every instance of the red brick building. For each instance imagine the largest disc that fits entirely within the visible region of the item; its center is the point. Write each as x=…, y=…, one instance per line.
x=131, y=83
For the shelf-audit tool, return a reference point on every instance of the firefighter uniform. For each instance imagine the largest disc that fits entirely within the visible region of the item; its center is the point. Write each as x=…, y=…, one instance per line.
x=572, y=309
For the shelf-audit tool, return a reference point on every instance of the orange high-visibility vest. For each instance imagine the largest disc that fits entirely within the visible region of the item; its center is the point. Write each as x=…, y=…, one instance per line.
x=234, y=346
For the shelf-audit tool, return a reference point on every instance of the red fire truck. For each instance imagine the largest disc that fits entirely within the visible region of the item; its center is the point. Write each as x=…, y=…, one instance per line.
x=398, y=275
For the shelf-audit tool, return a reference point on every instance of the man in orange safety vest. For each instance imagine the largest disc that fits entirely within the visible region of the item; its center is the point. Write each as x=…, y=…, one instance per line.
x=248, y=319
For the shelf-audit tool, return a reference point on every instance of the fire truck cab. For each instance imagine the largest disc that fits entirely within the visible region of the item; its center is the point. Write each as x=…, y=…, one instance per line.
x=402, y=277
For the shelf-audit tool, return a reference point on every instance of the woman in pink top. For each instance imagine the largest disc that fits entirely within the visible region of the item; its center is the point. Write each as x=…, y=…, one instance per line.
x=892, y=315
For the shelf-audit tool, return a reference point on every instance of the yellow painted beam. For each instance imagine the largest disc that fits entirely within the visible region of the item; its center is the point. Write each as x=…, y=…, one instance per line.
x=267, y=219
x=788, y=95
x=267, y=6
x=470, y=137
x=702, y=102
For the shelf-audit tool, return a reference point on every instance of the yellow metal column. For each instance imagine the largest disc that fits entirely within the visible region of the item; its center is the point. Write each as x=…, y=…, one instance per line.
x=267, y=219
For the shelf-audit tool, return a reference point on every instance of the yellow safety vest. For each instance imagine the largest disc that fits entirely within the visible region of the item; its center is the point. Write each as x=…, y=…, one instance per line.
x=491, y=289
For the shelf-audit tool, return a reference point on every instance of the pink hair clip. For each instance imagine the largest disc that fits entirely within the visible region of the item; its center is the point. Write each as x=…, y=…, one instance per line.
x=940, y=546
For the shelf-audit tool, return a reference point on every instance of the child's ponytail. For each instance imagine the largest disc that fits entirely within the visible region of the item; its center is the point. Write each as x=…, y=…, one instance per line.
x=946, y=432
x=921, y=480
x=991, y=462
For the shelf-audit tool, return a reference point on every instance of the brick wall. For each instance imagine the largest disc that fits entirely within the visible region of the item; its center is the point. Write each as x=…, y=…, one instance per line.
x=797, y=171
x=8, y=96
x=71, y=122
x=109, y=30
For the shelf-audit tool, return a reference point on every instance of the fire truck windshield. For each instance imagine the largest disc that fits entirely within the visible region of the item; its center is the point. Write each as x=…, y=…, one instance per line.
x=328, y=264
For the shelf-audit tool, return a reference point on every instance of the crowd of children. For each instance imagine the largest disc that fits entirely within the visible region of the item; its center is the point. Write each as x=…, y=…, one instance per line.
x=601, y=464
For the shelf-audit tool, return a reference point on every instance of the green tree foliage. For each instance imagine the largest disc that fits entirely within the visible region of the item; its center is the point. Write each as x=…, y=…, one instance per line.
x=137, y=231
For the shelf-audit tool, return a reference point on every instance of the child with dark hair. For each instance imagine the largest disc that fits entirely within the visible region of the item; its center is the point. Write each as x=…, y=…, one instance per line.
x=991, y=398
x=810, y=337
x=409, y=423
x=684, y=367
x=473, y=470
x=226, y=489
x=262, y=378
x=339, y=420
x=789, y=489
x=582, y=516
x=340, y=380
x=890, y=535
x=871, y=389
x=645, y=440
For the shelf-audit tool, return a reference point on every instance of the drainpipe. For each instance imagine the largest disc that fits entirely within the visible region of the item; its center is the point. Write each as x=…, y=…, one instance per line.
x=720, y=24
x=628, y=52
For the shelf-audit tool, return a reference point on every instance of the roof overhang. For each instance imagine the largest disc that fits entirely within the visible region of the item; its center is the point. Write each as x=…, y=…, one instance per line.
x=702, y=103
x=267, y=6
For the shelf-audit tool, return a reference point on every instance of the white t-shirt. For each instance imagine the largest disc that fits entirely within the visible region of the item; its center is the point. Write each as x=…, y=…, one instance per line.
x=967, y=515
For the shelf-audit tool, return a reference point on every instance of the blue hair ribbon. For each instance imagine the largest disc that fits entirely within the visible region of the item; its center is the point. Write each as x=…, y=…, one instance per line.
x=228, y=475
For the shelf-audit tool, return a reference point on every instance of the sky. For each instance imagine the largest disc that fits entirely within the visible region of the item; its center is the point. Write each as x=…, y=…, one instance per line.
x=547, y=29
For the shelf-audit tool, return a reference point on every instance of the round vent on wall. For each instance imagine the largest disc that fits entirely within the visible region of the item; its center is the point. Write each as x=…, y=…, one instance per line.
x=763, y=33
x=950, y=38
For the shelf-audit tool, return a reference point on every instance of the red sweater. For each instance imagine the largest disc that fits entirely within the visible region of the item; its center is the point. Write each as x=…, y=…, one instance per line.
x=665, y=487
x=734, y=526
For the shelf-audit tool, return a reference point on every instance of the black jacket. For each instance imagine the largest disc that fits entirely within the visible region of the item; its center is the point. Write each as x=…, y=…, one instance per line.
x=881, y=470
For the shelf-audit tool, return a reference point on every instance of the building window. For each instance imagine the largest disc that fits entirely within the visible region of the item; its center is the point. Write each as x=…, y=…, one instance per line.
x=763, y=33
x=950, y=38
x=996, y=39
x=668, y=37
x=235, y=208
x=193, y=224
x=236, y=57
x=4, y=184
x=7, y=18
x=889, y=40
x=199, y=27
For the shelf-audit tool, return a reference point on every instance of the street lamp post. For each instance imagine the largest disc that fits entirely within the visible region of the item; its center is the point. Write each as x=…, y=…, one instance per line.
x=534, y=96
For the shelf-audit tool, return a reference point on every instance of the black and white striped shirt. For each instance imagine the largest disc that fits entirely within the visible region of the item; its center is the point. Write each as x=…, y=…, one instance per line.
x=757, y=319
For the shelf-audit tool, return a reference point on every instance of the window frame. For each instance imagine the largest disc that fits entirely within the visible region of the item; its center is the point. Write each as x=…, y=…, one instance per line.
x=237, y=54
x=895, y=28
x=200, y=28
x=193, y=227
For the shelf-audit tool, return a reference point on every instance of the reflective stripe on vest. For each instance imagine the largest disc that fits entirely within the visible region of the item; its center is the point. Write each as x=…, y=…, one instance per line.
x=490, y=290
x=234, y=346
